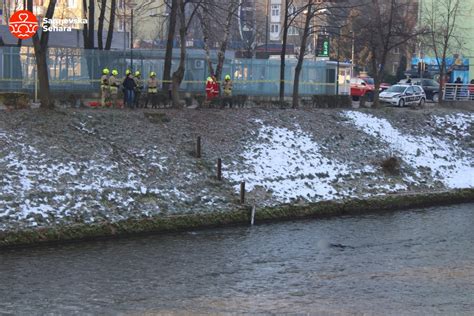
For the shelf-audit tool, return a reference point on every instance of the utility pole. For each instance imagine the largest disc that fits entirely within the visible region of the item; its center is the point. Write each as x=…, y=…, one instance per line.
x=131, y=39
x=352, y=54
x=266, y=26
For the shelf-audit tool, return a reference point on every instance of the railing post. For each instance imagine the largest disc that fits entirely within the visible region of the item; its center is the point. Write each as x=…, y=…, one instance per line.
x=219, y=169
x=198, y=147
x=242, y=192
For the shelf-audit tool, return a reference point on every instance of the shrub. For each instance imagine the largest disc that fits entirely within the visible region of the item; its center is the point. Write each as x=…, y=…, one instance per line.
x=391, y=165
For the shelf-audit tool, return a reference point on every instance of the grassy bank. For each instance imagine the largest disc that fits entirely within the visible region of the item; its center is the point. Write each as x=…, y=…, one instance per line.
x=241, y=216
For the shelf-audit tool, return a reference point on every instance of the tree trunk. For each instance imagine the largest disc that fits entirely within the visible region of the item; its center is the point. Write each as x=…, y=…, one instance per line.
x=43, y=77
x=85, y=30
x=178, y=75
x=204, y=18
x=442, y=81
x=221, y=54
x=110, y=32
x=169, y=45
x=299, y=65
x=100, y=27
x=376, y=78
x=41, y=53
x=91, y=23
x=283, y=51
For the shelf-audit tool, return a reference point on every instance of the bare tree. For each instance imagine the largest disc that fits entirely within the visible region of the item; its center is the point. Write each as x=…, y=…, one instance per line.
x=169, y=44
x=100, y=26
x=288, y=14
x=310, y=9
x=232, y=8
x=204, y=17
x=88, y=31
x=40, y=45
x=184, y=23
x=110, y=31
x=223, y=14
x=440, y=17
x=390, y=24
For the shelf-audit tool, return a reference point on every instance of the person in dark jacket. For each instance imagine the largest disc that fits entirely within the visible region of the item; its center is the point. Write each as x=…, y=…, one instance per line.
x=129, y=86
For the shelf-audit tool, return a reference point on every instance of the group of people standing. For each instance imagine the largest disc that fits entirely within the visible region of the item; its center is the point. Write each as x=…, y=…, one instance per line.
x=213, y=89
x=132, y=87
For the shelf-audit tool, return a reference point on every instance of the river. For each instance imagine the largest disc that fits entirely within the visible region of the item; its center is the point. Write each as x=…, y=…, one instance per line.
x=393, y=263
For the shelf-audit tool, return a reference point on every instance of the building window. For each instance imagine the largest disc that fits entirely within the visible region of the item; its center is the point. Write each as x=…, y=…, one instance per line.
x=292, y=9
x=396, y=50
x=276, y=10
x=394, y=68
x=275, y=28
x=292, y=30
x=120, y=25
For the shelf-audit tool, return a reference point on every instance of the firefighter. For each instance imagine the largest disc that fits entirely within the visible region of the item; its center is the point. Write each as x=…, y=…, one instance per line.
x=127, y=73
x=114, y=86
x=227, y=85
x=152, y=91
x=138, y=89
x=104, y=87
x=215, y=87
x=129, y=87
x=209, y=89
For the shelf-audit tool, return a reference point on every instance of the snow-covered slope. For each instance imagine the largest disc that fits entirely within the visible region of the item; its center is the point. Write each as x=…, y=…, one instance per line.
x=88, y=167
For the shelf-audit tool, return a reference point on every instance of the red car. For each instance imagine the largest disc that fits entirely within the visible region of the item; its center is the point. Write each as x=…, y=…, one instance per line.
x=362, y=86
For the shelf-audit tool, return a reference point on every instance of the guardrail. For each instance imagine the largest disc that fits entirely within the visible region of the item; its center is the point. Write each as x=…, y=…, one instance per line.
x=458, y=92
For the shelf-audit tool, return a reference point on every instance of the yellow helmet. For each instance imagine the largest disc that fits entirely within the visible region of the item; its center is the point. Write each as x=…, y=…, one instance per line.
x=127, y=72
x=114, y=72
x=152, y=74
x=227, y=77
x=137, y=73
x=105, y=71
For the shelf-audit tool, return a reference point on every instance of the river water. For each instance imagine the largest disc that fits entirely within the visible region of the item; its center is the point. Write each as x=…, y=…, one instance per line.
x=411, y=262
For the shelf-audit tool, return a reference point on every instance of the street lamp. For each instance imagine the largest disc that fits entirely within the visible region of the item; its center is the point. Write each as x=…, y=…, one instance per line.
x=131, y=5
x=352, y=53
x=266, y=26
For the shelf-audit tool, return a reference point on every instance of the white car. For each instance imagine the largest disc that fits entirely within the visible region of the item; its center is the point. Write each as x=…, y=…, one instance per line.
x=403, y=94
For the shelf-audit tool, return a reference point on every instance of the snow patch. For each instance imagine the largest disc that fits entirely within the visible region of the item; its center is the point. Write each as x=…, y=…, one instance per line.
x=289, y=164
x=447, y=163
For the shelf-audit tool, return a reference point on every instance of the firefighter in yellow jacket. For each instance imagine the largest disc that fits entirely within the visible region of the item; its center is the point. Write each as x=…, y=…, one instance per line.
x=138, y=90
x=104, y=87
x=152, y=92
x=227, y=84
x=114, y=87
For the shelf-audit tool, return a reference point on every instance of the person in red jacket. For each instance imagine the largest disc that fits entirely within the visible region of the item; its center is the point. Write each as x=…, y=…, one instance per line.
x=209, y=89
x=215, y=87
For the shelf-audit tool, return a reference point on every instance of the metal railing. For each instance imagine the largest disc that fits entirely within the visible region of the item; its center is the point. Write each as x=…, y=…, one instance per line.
x=458, y=92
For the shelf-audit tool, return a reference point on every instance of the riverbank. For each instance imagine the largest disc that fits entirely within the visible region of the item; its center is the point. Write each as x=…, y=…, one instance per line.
x=74, y=174
x=166, y=224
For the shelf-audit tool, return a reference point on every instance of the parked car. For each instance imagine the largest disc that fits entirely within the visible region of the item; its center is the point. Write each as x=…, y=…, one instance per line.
x=430, y=86
x=384, y=86
x=403, y=94
x=361, y=87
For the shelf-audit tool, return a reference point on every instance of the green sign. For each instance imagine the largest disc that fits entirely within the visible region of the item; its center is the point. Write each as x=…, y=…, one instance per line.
x=322, y=47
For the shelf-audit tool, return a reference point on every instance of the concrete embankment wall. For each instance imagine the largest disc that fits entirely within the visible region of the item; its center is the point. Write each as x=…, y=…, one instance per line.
x=239, y=217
